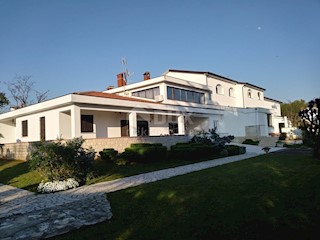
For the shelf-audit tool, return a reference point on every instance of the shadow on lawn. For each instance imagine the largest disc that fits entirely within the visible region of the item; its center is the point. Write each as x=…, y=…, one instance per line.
x=274, y=196
x=17, y=174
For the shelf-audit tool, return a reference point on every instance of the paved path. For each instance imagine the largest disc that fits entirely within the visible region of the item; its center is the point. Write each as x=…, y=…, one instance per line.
x=25, y=215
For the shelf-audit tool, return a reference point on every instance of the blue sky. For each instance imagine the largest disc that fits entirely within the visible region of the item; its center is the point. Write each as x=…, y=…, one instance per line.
x=76, y=45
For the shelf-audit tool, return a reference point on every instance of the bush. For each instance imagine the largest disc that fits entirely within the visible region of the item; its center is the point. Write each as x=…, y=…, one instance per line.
x=191, y=151
x=283, y=136
x=145, y=152
x=59, y=162
x=250, y=142
x=108, y=154
x=235, y=150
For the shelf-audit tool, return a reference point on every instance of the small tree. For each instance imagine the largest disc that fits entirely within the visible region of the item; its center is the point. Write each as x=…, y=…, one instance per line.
x=23, y=92
x=59, y=162
x=311, y=125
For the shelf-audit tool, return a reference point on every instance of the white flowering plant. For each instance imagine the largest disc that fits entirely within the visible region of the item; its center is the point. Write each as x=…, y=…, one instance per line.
x=56, y=186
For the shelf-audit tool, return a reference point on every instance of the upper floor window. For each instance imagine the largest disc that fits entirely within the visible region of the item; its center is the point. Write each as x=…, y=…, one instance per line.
x=86, y=123
x=259, y=95
x=231, y=92
x=184, y=95
x=219, y=89
x=24, y=125
x=249, y=94
x=147, y=93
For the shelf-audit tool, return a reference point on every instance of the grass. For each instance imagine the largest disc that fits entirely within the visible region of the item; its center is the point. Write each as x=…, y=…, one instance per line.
x=273, y=196
x=18, y=174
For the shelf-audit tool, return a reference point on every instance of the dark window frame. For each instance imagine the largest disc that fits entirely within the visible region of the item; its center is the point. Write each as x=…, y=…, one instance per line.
x=24, y=126
x=86, y=123
x=173, y=128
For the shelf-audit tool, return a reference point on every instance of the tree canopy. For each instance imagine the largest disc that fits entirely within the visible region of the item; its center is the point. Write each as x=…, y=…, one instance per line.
x=311, y=125
x=291, y=110
x=23, y=92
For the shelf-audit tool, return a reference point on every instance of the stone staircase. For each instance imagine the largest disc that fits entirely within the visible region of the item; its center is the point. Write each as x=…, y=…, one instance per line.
x=268, y=141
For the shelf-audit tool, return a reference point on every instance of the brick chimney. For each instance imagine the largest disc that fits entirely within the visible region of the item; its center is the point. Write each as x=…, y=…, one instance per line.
x=121, y=80
x=110, y=87
x=146, y=76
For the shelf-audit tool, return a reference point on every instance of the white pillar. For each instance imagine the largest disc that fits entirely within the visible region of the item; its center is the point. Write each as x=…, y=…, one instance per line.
x=181, y=128
x=133, y=124
x=75, y=122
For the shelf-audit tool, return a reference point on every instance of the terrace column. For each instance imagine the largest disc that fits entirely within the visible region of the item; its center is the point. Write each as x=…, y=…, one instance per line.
x=75, y=121
x=181, y=128
x=133, y=124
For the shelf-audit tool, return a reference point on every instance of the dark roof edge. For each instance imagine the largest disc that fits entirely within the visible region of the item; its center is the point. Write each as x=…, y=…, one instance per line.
x=272, y=100
x=216, y=75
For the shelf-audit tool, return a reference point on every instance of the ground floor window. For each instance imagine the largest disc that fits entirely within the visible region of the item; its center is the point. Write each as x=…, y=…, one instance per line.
x=86, y=123
x=173, y=128
x=142, y=128
x=269, y=120
x=24, y=126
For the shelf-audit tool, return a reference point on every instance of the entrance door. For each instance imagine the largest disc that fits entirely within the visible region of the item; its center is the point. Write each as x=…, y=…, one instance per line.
x=124, y=128
x=42, y=129
x=281, y=125
x=142, y=128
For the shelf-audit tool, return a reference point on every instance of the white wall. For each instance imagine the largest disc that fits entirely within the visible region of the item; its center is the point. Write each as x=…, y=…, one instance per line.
x=197, y=78
x=7, y=129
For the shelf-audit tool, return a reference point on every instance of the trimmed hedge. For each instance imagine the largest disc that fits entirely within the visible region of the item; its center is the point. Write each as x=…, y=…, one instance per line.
x=190, y=151
x=250, y=142
x=108, y=154
x=145, y=152
x=235, y=150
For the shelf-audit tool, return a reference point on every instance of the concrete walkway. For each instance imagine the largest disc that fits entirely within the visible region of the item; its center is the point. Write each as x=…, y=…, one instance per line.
x=25, y=215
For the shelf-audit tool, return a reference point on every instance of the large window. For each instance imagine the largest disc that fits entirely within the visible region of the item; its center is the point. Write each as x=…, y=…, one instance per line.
x=184, y=95
x=86, y=123
x=173, y=128
x=231, y=92
x=219, y=89
x=147, y=93
x=24, y=126
x=269, y=120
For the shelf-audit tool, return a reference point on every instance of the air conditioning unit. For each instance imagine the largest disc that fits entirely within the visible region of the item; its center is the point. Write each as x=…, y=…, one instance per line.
x=158, y=98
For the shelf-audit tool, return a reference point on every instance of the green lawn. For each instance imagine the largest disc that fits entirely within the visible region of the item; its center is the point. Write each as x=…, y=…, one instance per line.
x=274, y=196
x=18, y=174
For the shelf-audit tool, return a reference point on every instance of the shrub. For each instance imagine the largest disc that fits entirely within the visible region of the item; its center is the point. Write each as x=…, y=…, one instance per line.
x=191, y=151
x=56, y=161
x=211, y=138
x=250, y=142
x=235, y=150
x=145, y=152
x=108, y=154
x=283, y=136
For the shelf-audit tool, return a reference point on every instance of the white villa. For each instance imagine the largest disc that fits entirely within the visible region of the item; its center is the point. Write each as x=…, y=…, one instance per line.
x=178, y=102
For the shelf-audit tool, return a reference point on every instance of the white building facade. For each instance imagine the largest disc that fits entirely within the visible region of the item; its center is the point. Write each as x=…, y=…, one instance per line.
x=176, y=103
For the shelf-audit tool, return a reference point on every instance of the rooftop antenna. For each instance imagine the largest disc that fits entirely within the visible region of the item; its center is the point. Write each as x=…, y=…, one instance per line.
x=126, y=73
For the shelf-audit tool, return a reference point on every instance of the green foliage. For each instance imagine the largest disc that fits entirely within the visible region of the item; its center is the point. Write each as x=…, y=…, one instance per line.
x=108, y=154
x=211, y=138
x=291, y=110
x=283, y=136
x=56, y=161
x=3, y=100
x=192, y=151
x=145, y=152
x=311, y=126
x=250, y=142
x=235, y=150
